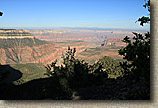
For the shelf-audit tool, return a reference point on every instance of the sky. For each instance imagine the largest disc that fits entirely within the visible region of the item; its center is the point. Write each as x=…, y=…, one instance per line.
x=117, y=14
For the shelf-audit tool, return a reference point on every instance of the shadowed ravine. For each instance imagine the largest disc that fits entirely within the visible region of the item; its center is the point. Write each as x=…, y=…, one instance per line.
x=49, y=88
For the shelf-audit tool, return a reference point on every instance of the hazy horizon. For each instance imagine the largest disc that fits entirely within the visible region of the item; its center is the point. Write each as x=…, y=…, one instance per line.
x=68, y=13
x=80, y=28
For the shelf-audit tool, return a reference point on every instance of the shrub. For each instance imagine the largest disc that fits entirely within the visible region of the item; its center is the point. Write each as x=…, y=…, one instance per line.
x=111, y=67
x=73, y=73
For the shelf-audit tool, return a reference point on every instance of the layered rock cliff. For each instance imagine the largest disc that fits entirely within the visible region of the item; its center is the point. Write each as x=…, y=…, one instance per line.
x=32, y=50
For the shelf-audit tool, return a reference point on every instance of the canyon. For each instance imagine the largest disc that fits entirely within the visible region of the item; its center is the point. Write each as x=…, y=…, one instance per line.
x=37, y=54
x=45, y=46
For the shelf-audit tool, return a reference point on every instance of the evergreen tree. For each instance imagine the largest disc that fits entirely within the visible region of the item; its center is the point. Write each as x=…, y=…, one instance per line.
x=137, y=65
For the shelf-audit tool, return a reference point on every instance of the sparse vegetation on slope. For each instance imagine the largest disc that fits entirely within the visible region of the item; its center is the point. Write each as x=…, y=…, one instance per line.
x=74, y=73
x=9, y=43
x=30, y=71
x=94, y=54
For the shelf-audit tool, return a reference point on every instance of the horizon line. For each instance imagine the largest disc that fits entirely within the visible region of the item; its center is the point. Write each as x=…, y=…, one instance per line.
x=89, y=28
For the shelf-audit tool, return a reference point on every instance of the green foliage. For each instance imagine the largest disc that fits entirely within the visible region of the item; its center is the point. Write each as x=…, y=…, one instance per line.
x=98, y=75
x=72, y=73
x=30, y=71
x=137, y=66
x=137, y=54
x=147, y=5
x=19, y=82
x=112, y=67
x=143, y=20
x=137, y=51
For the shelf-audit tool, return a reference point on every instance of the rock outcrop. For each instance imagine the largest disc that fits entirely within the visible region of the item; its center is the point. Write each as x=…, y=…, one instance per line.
x=44, y=53
x=13, y=33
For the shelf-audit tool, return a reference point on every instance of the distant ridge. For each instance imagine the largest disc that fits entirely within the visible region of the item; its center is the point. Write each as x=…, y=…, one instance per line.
x=12, y=37
x=80, y=28
x=13, y=33
x=20, y=46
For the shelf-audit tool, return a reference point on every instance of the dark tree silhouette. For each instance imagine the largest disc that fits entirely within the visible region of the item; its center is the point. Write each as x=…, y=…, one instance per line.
x=145, y=19
x=137, y=55
x=137, y=51
x=1, y=13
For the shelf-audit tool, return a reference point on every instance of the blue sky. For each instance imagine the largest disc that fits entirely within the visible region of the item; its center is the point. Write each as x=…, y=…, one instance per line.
x=120, y=14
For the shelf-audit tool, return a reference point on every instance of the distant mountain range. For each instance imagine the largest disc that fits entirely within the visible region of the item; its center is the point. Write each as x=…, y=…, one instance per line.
x=80, y=28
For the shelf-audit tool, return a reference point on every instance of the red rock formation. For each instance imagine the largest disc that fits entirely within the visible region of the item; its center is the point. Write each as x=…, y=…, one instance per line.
x=39, y=54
